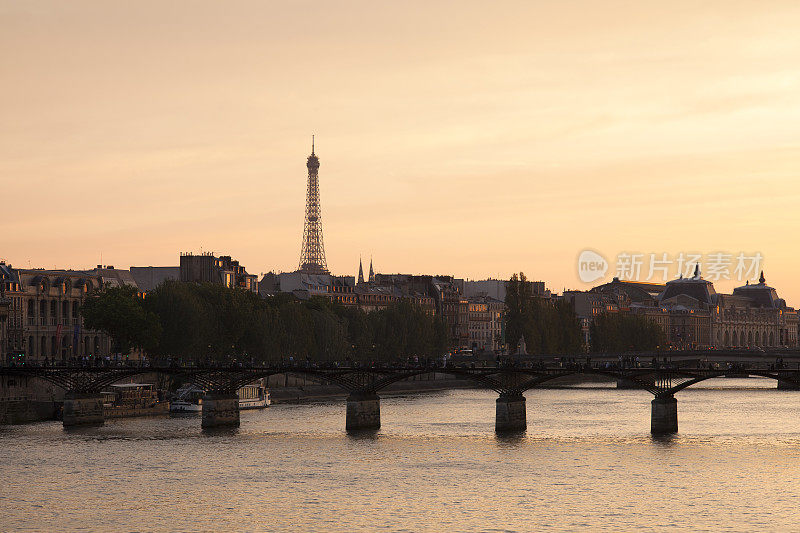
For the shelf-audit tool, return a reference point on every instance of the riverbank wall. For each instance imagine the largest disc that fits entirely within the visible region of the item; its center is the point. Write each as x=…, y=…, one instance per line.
x=25, y=399
x=160, y=409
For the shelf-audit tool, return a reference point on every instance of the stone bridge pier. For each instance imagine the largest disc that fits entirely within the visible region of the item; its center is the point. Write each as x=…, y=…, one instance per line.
x=83, y=409
x=664, y=415
x=363, y=411
x=789, y=385
x=220, y=409
x=510, y=412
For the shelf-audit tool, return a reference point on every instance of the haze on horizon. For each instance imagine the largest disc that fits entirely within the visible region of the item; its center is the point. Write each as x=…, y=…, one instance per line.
x=458, y=138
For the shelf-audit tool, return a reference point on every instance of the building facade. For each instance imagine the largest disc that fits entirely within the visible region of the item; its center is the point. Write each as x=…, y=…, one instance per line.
x=485, y=324
x=693, y=315
x=447, y=294
x=496, y=288
x=44, y=321
x=753, y=317
x=12, y=333
x=589, y=304
x=207, y=268
x=343, y=290
x=149, y=277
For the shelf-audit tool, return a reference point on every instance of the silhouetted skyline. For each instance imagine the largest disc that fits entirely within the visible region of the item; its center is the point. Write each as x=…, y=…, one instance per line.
x=458, y=138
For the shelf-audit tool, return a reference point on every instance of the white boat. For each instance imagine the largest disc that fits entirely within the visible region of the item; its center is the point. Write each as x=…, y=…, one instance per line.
x=189, y=398
x=254, y=396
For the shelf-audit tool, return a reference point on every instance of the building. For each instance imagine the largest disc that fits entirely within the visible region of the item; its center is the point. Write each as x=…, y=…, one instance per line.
x=693, y=315
x=342, y=290
x=207, y=268
x=485, y=324
x=44, y=321
x=635, y=292
x=589, y=304
x=496, y=288
x=12, y=333
x=372, y=299
x=114, y=277
x=303, y=286
x=5, y=303
x=149, y=277
x=446, y=294
x=753, y=316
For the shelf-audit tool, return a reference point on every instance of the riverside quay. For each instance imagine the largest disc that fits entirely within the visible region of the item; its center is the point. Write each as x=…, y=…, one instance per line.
x=654, y=373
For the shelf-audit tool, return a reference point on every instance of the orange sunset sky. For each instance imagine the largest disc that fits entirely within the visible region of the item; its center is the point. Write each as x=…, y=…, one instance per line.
x=465, y=138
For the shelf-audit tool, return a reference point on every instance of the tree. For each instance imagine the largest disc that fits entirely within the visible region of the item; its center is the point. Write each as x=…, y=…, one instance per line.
x=517, y=309
x=548, y=326
x=185, y=320
x=615, y=332
x=120, y=312
x=212, y=323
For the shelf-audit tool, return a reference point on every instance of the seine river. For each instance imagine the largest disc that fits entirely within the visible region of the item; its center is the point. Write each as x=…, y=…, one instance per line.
x=587, y=462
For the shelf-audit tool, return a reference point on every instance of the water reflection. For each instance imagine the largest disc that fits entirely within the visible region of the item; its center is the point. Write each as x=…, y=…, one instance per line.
x=665, y=441
x=363, y=434
x=514, y=438
x=586, y=462
x=224, y=431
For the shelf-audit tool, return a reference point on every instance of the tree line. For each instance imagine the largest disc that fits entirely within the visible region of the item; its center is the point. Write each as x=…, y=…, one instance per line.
x=551, y=327
x=617, y=332
x=548, y=326
x=208, y=322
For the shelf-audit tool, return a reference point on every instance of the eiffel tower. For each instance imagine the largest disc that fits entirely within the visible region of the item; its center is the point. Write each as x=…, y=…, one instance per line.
x=312, y=254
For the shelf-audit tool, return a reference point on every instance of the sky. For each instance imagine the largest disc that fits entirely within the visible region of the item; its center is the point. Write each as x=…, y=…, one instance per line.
x=468, y=138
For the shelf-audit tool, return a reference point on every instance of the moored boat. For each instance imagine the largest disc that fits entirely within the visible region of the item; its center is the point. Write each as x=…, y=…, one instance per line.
x=189, y=398
x=253, y=396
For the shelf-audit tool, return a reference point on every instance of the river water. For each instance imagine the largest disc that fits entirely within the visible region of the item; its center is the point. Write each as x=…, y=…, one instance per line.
x=587, y=462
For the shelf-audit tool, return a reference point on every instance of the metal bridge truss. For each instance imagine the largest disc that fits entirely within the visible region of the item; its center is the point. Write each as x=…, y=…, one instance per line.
x=507, y=381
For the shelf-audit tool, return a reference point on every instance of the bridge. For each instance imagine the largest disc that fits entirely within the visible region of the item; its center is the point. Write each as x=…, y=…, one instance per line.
x=661, y=374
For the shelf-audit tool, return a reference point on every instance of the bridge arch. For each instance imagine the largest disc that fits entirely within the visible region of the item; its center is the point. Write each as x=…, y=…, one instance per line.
x=57, y=379
x=790, y=377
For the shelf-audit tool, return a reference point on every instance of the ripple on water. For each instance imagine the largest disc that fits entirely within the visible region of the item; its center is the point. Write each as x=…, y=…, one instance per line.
x=586, y=461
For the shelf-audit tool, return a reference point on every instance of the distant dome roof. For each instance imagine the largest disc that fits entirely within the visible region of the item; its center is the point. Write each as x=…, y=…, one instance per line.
x=697, y=288
x=762, y=294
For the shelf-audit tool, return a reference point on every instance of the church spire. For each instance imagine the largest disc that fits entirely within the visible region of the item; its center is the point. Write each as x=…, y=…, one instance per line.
x=360, y=272
x=371, y=272
x=762, y=280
